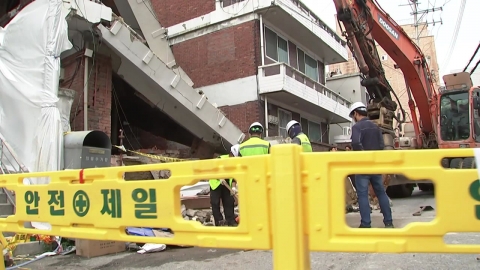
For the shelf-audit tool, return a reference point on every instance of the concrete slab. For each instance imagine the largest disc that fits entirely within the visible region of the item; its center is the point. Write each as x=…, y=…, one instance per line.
x=29, y=248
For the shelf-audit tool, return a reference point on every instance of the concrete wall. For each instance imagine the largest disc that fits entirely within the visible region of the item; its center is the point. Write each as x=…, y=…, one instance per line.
x=233, y=92
x=349, y=87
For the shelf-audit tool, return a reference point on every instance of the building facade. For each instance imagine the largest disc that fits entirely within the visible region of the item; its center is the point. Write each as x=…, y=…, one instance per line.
x=394, y=75
x=258, y=60
x=349, y=86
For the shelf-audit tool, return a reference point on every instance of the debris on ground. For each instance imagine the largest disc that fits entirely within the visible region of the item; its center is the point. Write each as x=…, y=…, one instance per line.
x=205, y=191
x=50, y=246
x=423, y=209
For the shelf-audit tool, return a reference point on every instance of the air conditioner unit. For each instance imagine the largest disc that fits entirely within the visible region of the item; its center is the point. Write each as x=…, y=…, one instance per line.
x=347, y=131
x=273, y=120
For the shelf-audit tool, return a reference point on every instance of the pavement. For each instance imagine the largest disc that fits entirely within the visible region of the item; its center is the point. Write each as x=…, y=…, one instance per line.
x=218, y=259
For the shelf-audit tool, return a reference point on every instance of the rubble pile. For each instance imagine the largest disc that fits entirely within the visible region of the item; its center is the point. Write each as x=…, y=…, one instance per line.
x=203, y=216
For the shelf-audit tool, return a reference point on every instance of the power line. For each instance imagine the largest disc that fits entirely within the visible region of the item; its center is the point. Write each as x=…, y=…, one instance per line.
x=455, y=33
x=471, y=59
x=475, y=67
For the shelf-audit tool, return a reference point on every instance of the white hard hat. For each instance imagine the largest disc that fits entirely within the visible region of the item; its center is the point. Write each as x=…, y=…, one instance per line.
x=256, y=124
x=357, y=106
x=235, y=149
x=290, y=124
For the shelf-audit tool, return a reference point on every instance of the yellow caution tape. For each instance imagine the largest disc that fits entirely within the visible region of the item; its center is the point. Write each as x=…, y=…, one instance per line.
x=157, y=157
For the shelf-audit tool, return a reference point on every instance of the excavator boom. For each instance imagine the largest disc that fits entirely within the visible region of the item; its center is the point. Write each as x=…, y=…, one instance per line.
x=365, y=23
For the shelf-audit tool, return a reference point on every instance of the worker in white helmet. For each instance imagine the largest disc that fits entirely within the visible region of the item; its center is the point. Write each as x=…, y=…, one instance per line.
x=366, y=136
x=220, y=192
x=255, y=145
x=294, y=130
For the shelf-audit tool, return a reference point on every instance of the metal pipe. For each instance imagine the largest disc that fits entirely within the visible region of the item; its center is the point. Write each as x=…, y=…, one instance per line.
x=261, y=41
x=85, y=95
x=266, y=116
x=262, y=54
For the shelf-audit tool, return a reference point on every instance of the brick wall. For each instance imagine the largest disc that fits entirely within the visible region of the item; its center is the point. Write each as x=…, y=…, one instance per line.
x=99, y=91
x=243, y=115
x=221, y=56
x=172, y=12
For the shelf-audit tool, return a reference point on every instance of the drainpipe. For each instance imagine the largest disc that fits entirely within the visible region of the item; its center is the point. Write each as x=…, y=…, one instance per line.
x=261, y=41
x=85, y=92
x=266, y=116
x=262, y=53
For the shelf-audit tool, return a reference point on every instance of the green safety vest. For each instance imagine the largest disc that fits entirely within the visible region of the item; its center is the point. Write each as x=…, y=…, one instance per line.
x=306, y=145
x=254, y=146
x=215, y=183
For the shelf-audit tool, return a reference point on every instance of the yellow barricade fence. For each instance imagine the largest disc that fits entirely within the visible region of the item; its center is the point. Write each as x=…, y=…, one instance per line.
x=291, y=202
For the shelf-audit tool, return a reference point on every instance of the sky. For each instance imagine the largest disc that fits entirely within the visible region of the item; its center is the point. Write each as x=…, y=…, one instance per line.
x=466, y=41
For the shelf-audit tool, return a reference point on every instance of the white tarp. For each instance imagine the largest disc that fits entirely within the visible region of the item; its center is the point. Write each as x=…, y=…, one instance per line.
x=30, y=48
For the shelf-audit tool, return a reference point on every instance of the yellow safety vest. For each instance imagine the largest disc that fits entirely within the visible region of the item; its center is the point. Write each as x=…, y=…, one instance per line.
x=306, y=145
x=215, y=183
x=254, y=146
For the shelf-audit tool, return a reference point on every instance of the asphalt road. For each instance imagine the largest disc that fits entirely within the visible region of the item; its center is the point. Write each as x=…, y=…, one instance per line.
x=218, y=259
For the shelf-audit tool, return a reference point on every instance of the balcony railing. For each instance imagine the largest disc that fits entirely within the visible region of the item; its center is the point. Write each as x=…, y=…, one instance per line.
x=314, y=18
x=286, y=70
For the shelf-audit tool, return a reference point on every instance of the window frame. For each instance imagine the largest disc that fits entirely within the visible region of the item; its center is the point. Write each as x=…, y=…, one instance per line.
x=315, y=122
x=280, y=128
x=305, y=64
x=231, y=2
x=279, y=36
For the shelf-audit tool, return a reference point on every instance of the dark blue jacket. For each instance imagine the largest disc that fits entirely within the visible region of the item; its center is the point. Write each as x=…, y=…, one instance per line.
x=366, y=136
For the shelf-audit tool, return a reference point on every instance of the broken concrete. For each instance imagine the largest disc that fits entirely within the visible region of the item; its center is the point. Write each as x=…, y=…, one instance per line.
x=29, y=248
x=204, y=216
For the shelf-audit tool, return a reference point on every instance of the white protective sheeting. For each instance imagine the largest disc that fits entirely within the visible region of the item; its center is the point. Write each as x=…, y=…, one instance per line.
x=30, y=48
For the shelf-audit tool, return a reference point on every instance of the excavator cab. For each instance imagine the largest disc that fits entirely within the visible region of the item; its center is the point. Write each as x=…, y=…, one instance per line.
x=459, y=124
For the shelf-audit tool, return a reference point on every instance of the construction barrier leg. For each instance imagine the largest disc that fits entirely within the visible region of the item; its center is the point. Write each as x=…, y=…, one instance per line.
x=290, y=244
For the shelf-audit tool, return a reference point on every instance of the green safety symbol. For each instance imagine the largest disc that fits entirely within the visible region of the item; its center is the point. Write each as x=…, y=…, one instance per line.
x=81, y=203
x=474, y=191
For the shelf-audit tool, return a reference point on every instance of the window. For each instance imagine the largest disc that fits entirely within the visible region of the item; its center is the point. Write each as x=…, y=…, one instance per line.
x=226, y=3
x=307, y=65
x=283, y=118
x=312, y=130
x=276, y=47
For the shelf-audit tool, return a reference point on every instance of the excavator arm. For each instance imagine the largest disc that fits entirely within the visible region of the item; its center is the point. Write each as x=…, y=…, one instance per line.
x=365, y=22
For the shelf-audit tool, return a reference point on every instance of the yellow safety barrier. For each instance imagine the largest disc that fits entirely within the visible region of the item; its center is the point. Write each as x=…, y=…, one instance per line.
x=289, y=201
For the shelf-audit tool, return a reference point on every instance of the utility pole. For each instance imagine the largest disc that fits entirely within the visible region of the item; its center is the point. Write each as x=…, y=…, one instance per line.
x=417, y=20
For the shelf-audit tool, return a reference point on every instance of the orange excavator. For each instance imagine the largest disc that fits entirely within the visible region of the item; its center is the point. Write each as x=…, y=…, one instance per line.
x=447, y=118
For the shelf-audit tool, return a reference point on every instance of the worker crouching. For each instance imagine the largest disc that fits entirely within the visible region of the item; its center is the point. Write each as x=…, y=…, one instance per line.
x=224, y=190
